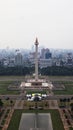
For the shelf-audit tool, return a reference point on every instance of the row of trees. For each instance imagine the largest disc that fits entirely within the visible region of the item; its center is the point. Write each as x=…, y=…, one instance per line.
x=67, y=102
x=55, y=70
x=19, y=70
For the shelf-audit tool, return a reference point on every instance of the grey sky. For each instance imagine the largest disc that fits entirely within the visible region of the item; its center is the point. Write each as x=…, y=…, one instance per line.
x=21, y=21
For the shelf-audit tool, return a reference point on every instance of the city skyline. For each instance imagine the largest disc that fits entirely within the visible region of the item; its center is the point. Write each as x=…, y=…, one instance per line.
x=51, y=21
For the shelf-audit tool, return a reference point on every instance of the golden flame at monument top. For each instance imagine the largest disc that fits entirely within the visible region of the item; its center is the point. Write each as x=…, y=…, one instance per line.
x=36, y=41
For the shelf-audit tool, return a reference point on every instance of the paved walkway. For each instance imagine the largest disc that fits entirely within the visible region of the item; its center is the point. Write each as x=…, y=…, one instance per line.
x=19, y=104
x=66, y=126
x=5, y=127
x=40, y=121
x=16, y=104
x=5, y=110
x=53, y=104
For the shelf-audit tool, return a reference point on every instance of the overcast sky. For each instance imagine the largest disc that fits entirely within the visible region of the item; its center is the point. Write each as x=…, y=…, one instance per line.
x=21, y=21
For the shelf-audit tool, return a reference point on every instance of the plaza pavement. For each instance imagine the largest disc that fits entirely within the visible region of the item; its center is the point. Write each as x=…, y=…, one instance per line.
x=40, y=121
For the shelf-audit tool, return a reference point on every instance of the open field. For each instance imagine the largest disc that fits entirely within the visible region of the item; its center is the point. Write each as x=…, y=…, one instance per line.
x=21, y=78
x=3, y=88
x=66, y=80
x=56, y=120
x=35, y=91
x=68, y=88
x=60, y=78
x=12, y=78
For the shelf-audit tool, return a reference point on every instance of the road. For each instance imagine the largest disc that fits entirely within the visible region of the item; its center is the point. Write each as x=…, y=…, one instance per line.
x=22, y=78
x=18, y=97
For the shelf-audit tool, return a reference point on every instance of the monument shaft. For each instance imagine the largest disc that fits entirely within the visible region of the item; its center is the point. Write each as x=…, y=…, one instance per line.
x=36, y=60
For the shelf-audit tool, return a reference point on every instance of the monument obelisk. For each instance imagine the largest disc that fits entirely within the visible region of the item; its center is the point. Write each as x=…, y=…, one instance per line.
x=36, y=59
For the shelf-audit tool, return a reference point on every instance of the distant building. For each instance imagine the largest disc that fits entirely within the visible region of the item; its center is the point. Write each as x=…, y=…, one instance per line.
x=18, y=59
x=5, y=62
x=69, y=59
x=46, y=54
x=58, y=63
x=43, y=53
x=11, y=62
x=43, y=63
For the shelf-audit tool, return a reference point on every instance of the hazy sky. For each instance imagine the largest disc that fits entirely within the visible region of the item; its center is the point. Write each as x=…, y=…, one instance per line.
x=21, y=21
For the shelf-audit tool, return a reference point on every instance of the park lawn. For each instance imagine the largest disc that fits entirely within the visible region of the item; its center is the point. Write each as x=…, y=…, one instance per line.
x=68, y=89
x=11, y=77
x=35, y=91
x=3, y=88
x=63, y=82
x=56, y=120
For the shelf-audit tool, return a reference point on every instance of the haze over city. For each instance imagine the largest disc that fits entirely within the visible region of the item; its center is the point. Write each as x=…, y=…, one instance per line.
x=21, y=21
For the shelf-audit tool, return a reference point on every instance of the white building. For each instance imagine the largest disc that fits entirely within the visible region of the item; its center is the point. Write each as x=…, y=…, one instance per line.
x=43, y=63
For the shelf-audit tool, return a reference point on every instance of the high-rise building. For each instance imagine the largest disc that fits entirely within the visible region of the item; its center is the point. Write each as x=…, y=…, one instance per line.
x=18, y=59
x=46, y=54
x=69, y=59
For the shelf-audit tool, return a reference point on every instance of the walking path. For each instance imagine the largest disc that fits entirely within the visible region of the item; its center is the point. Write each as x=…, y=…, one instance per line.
x=3, y=116
x=19, y=104
x=16, y=104
x=5, y=127
x=53, y=104
x=66, y=126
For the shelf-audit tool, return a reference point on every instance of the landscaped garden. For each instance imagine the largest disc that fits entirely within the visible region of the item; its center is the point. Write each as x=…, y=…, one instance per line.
x=56, y=120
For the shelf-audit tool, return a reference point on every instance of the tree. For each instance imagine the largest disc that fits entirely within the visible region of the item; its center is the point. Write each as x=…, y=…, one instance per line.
x=1, y=103
x=11, y=102
x=36, y=99
x=71, y=107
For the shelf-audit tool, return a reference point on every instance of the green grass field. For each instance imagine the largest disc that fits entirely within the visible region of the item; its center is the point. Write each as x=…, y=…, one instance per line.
x=68, y=88
x=35, y=91
x=56, y=120
x=6, y=80
x=3, y=88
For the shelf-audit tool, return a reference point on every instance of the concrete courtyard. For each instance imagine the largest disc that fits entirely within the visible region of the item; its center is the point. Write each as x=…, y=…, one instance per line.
x=32, y=121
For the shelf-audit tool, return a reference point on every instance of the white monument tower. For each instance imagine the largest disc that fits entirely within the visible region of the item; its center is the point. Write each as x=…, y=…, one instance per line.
x=36, y=83
x=36, y=59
